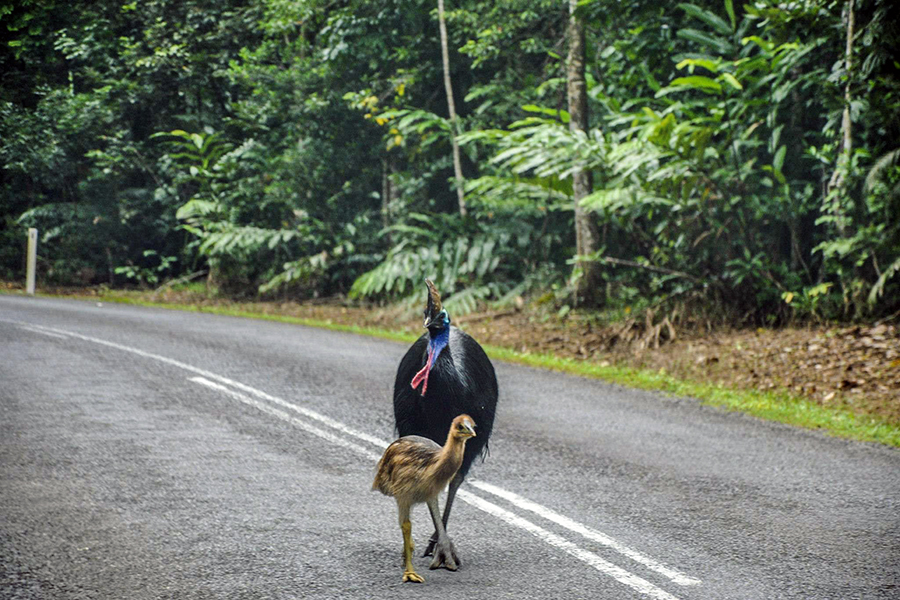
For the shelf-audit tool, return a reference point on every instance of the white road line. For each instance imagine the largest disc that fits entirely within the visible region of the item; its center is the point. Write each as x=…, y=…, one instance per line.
x=607, y=568
x=49, y=333
x=674, y=575
x=559, y=542
x=621, y=575
x=260, y=394
x=378, y=442
x=589, y=533
x=326, y=435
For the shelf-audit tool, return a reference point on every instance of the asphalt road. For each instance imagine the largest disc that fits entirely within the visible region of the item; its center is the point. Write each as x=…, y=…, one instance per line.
x=158, y=454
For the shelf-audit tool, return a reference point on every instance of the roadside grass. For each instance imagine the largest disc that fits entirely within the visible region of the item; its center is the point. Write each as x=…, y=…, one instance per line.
x=779, y=406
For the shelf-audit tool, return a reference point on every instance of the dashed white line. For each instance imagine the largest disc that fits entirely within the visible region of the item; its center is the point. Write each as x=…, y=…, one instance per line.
x=209, y=379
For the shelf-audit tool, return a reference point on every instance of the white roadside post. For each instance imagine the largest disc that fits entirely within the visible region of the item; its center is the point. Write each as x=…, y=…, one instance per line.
x=31, y=260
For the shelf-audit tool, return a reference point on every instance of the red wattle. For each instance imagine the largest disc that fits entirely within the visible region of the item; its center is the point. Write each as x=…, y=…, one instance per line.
x=422, y=375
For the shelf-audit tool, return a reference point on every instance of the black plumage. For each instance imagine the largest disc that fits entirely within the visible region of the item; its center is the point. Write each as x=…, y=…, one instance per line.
x=461, y=380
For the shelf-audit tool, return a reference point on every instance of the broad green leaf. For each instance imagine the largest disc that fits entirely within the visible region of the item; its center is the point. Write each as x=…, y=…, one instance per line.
x=729, y=8
x=697, y=82
x=651, y=80
x=731, y=80
x=711, y=19
x=763, y=44
x=718, y=44
x=707, y=64
x=776, y=136
x=778, y=162
x=561, y=114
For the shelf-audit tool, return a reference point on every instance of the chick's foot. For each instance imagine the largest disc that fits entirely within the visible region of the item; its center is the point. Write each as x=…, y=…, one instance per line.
x=413, y=577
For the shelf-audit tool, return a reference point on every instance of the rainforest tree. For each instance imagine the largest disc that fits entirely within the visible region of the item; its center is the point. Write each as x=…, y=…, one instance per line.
x=742, y=157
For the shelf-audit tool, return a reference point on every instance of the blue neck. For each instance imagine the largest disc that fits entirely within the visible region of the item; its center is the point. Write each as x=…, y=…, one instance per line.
x=437, y=343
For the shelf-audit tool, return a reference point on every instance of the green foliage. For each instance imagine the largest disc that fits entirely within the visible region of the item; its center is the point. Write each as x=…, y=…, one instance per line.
x=709, y=182
x=302, y=148
x=468, y=261
x=147, y=276
x=807, y=302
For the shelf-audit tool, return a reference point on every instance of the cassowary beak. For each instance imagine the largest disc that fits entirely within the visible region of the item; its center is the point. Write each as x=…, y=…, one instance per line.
x=433, y=308
x=469, y=428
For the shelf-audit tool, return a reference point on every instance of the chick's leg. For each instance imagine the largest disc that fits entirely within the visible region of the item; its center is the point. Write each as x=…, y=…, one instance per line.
x=409, y=573
x=444, y=552
x=451, y=494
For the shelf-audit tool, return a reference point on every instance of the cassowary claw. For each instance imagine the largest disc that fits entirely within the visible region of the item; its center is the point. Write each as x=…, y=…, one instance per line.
x=429, y=549
x=444, y=556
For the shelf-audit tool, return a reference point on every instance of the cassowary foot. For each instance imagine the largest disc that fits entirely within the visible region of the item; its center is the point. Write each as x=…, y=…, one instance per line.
x=413, y=577
x=445, y=556
x=429, y=549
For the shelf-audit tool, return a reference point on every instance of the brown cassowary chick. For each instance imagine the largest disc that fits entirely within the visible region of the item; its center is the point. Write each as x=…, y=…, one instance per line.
x=445, y=373
x=415, y=469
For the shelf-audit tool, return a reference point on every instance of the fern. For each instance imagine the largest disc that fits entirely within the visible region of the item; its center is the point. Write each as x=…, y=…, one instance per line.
x=466, y=266
x=878, y=288
x=301, y=271
x=519, y=195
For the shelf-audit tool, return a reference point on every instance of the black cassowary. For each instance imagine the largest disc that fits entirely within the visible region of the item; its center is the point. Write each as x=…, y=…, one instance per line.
x=444, y=374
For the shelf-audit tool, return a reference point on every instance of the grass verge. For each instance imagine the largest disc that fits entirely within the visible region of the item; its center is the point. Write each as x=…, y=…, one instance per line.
x=779, y=406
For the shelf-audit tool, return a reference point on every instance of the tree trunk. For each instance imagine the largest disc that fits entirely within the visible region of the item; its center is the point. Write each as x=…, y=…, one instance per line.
x=838, y=200
x=389, y=194
x=586, y=231
x=451, y=108
x=843, y=161
x=385, y=194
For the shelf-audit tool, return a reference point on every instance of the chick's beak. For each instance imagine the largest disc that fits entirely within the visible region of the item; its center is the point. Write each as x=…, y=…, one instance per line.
x=469, y=428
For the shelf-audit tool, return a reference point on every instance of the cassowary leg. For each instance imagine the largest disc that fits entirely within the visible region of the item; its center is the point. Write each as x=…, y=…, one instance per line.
x=409, y=573
x=451, y=494
x=444, y=552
